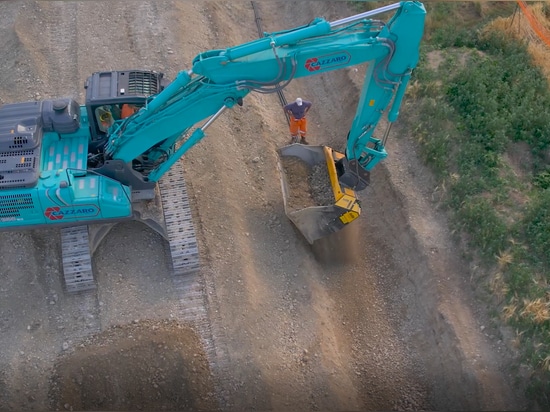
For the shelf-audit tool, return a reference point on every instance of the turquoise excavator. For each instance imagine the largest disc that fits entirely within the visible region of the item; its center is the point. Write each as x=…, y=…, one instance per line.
x=85, y=167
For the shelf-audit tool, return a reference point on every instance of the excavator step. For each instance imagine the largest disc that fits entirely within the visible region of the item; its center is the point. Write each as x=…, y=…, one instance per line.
x=77, y=259
x=179, y=222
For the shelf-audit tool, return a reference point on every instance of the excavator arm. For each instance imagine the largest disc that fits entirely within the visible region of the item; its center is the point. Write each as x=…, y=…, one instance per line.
x=166, y=127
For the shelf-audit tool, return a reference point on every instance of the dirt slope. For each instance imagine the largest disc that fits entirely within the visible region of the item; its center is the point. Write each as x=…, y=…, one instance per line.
x=391, y=326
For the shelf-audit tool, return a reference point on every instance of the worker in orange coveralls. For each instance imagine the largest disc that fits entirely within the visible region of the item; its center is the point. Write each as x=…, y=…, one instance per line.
x=297, y=111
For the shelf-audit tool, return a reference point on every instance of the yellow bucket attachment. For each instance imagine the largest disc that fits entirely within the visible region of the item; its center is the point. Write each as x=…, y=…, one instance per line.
x=313, y=198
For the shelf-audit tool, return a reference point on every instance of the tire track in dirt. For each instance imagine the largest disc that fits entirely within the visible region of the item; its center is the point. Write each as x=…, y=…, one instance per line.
x=14, y=68
x=60, y=40
x=143, y=42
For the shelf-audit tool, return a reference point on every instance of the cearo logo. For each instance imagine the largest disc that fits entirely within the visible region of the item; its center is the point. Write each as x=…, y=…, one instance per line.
x=330, y=60
x=311, y=64
x=59, y=213
x=52, y=213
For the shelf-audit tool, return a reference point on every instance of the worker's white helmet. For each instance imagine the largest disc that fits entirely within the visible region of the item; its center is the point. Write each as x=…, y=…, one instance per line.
x=299, y=101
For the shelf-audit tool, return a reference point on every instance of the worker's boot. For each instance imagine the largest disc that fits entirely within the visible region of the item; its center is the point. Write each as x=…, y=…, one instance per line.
x=293, y=139
x=303, y=140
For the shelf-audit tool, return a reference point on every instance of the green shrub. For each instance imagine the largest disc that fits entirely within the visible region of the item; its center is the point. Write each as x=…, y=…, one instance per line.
x=487, y=231
x=436, y=134
x=502, y=98
x=520, y=278
x=537, y=226
x=539, y=391
x=542, y=179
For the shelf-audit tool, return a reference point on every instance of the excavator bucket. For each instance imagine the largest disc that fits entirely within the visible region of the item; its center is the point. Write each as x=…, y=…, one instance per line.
x=314, y=200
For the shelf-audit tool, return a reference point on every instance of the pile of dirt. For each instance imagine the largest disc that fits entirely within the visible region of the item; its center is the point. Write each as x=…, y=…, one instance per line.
x=141, y=366
x=296, y=172
x=319, y=182
x=307, y=185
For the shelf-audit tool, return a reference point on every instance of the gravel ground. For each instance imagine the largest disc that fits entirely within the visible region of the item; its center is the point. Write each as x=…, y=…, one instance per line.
x=381, y=316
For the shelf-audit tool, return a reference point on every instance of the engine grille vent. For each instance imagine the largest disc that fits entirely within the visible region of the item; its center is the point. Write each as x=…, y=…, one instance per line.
x=19, y=142
x=19, y=168
x=11, y=205
x=143, y=83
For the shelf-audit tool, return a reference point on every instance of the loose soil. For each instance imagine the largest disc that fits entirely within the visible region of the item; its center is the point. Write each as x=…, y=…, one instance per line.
x=144, y=365
x=381, y=316
x=306, y=185
x=296, y=174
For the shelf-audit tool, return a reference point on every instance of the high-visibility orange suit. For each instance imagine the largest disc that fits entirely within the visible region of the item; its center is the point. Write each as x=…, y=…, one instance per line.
x=297, y=111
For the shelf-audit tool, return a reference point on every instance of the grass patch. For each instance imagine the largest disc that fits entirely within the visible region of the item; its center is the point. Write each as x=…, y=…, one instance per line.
x=486, y=230
x=537, y=227
x=482, y=100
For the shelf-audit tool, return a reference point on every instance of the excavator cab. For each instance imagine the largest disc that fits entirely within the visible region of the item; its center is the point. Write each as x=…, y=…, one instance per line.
x=109, y=94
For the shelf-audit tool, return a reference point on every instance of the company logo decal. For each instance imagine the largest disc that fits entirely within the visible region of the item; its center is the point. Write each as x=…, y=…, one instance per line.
x=69, y=212
x=326, y=61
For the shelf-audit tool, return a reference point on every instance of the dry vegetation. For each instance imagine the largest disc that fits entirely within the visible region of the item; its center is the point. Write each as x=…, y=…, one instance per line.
x=518, y=26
